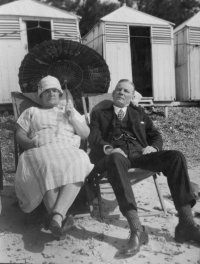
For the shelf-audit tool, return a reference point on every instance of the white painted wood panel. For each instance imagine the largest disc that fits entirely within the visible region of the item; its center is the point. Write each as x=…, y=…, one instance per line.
x=194, y=61
x=181, y=65
x=11, y=54
x=163, y=72
x=66, y=29
x=118, y=59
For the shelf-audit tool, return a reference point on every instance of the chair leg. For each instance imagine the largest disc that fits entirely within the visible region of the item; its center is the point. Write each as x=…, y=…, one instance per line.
x=0, y=204
x=89, y=198
x=16, y=151
x=98, y=190
x=1, y=180
x=160, y=194
x=1, y=172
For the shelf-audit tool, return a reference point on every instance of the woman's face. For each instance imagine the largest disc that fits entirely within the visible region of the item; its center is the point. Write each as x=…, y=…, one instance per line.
x=50, y=98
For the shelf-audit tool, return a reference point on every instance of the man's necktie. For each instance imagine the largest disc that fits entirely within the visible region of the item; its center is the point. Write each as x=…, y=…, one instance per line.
x=120, y=114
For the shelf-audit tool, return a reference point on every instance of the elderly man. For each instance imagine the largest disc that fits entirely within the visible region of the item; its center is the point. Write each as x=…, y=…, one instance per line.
x=122, y=136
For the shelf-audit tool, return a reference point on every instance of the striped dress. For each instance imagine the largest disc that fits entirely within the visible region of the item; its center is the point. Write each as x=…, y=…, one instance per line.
x=56, y=161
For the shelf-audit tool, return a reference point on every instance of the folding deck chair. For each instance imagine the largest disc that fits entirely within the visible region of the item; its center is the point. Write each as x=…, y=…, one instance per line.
x=136, y=175
x=22, y=101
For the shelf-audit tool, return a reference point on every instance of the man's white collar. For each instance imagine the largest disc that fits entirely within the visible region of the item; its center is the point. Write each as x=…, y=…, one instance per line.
x=117, y=109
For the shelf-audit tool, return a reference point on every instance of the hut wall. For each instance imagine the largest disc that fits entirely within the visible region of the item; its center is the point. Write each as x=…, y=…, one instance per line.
x=187, y=54
x=163, y=63
x=94, y=39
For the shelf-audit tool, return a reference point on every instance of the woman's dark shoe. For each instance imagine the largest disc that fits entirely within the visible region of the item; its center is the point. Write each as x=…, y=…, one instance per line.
x=54, y=226
x=136, y=239
x=68, y=222
x=46, y=221
x=187, y=233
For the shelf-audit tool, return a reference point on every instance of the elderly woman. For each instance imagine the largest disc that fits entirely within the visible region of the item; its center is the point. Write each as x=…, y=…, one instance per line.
x=52, y=168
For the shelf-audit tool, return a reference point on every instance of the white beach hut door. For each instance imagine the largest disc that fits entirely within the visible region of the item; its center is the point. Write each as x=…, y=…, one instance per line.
x=163, y=64
x=117, y=52
x=194, y=63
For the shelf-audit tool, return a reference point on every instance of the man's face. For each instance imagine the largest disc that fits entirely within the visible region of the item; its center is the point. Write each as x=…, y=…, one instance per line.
x=123, y=94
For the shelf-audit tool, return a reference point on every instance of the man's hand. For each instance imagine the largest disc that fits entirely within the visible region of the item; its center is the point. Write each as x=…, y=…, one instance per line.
x=118, y=150
x=148, y=150
x=35, y=143
x=109, y=150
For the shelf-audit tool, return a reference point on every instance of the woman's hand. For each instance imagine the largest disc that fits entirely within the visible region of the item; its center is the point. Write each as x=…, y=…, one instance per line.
x=23, y=140
x=73, y=116
x=69, y=109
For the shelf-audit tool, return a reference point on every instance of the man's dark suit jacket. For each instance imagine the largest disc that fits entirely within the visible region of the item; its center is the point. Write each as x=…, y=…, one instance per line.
x=101, y=125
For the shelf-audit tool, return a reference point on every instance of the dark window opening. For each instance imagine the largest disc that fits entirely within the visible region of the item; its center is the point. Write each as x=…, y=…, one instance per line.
x=37, y=32
x=141, y=60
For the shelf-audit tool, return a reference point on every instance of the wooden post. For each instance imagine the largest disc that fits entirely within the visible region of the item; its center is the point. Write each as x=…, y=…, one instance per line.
x=166, y=111
x=1, y=171
x=1, y=180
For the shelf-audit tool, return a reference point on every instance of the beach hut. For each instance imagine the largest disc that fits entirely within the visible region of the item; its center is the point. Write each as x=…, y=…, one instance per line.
x=23, y=24
x=139, y=47
x=187, y=59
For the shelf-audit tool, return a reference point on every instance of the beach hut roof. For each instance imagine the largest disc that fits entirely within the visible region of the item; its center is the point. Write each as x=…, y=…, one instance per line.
x=130, y=15
x=34, y=9
x=191, y=22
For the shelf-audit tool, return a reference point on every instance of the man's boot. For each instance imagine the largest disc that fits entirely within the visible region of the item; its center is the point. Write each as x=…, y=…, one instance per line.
x=138, y=234
x=187, y=229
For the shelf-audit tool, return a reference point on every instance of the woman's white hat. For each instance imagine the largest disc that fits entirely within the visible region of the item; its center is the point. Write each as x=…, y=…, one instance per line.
x=49, y=82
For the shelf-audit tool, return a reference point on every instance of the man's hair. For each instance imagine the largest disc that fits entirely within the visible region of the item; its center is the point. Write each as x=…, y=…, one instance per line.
x=126, y=80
